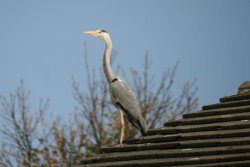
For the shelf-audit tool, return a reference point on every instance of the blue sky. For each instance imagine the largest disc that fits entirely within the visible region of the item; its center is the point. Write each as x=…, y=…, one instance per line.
x=42, y=43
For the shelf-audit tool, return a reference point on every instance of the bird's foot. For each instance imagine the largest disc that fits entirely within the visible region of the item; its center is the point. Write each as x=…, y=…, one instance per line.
x=119, y=145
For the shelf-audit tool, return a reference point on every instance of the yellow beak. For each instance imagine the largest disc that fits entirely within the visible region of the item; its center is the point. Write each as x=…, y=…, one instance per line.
x=94, y=33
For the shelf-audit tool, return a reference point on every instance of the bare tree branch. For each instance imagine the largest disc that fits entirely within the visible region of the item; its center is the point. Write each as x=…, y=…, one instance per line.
x=20, y=126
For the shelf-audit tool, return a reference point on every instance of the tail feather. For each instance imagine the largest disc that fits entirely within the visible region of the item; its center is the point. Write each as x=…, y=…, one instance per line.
x=142, y=126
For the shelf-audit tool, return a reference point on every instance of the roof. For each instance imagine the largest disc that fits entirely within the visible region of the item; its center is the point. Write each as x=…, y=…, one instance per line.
x=216, y=136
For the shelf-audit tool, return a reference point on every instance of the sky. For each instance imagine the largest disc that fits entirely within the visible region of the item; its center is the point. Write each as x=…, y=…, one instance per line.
x=41, y=42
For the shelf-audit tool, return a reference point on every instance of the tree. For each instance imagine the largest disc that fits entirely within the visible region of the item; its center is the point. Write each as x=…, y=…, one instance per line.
x=21, y=129
x=158, y=103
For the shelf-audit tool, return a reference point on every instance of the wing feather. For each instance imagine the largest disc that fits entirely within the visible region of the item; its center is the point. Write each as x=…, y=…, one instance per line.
x=123, y=97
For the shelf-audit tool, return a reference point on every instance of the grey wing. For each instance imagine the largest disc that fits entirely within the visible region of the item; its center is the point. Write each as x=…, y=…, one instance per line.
x=123, y=97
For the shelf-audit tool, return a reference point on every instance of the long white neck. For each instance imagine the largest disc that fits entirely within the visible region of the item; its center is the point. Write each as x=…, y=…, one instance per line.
x=110, y=75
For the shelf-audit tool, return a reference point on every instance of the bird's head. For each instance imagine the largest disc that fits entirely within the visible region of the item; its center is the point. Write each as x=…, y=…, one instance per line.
x=102, y=34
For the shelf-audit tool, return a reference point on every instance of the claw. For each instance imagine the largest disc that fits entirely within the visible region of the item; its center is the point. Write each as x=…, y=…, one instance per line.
x=119, y=145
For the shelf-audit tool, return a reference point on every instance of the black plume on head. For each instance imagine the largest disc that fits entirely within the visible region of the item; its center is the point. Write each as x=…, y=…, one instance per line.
x=103, y=31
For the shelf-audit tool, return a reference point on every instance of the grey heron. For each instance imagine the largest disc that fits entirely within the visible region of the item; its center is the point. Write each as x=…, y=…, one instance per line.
x=121, y=95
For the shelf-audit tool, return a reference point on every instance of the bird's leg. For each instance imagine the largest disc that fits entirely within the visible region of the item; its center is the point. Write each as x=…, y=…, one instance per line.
x=122, y=128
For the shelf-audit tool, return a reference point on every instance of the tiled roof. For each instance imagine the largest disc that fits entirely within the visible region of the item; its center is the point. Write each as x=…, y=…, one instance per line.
x=216, y=136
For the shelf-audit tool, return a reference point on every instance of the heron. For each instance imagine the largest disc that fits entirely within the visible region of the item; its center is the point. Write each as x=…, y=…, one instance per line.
x=121, y=94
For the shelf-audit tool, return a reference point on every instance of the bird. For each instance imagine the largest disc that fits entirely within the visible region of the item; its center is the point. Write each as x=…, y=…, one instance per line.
x=122, y=96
